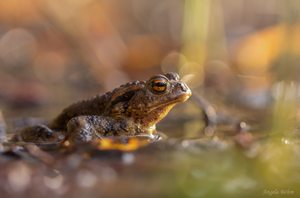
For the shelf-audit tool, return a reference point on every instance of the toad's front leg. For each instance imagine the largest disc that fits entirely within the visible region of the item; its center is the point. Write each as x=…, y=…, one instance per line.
x=87, y=128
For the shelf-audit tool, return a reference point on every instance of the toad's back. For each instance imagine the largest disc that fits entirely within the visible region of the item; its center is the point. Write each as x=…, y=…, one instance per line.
x=93, y=106
x=98, y=105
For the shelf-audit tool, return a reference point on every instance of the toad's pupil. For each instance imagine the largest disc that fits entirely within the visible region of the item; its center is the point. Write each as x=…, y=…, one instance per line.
x=159, y=86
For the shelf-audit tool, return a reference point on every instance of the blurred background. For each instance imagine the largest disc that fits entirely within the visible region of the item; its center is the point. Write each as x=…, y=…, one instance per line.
x=242, y=56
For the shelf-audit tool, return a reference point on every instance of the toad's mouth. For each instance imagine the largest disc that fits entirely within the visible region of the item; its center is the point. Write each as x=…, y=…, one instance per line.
x=180, y=98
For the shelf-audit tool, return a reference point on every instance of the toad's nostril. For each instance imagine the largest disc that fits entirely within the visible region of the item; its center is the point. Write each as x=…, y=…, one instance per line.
x=183, y=87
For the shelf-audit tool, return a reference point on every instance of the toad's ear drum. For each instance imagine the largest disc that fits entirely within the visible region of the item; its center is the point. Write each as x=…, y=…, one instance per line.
x=159, y=85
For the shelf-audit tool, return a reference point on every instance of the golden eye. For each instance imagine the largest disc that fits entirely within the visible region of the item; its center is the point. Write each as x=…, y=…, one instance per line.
x=159, y=85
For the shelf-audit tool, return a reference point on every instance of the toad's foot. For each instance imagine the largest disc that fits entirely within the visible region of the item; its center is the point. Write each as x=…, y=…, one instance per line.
x=37, y=134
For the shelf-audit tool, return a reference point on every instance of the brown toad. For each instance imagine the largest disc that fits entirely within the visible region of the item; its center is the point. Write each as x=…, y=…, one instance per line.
x=131, y=109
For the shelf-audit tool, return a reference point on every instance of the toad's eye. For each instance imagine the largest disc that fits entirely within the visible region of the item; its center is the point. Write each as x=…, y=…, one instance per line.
x=159, y=85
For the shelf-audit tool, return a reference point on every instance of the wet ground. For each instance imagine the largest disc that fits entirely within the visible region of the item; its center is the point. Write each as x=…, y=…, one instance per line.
x=244, y=164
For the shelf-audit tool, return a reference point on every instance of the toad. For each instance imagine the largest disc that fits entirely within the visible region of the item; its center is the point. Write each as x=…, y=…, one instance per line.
x=132, y=109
